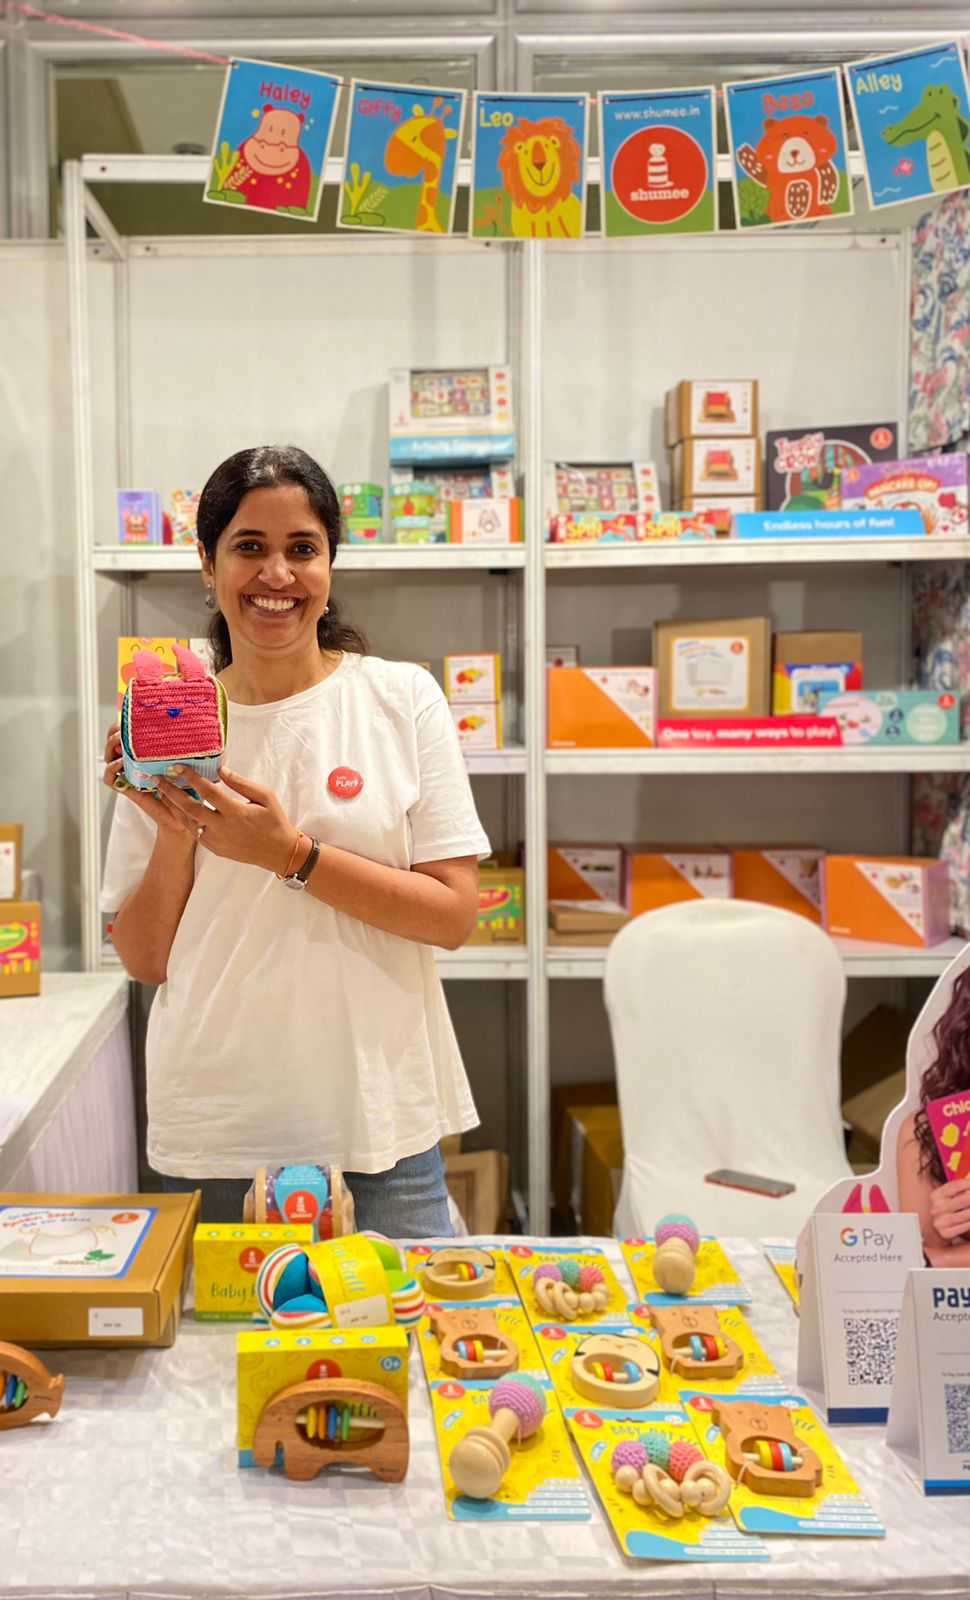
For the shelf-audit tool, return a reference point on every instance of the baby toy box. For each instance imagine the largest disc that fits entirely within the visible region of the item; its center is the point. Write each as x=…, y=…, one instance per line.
x=808, y=665
x=479, y=727
x=501, y=906
x=485, y=522
x=787, y=876
x=699, y=406
x=584, y=871
x=663, y=875
x=889, y=899
x=226, y=1258
x=578, y=489
x=19, y=948
x=894, y=717
x=139, y=516
x=593, y=708
x=713, y=669
x=803, y=466
x=447, y=415
x=94, y=1269
x=715, y=466
x=473, y=679
x=936, y=486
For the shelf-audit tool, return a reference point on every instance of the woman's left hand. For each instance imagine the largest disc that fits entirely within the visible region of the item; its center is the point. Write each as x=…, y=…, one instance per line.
x=253, y=829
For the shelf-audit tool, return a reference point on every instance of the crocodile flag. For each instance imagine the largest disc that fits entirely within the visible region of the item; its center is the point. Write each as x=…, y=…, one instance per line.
x=912, y=111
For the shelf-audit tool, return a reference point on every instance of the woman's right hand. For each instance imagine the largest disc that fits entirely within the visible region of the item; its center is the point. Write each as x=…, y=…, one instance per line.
x=169, y=822
x=950, y=1209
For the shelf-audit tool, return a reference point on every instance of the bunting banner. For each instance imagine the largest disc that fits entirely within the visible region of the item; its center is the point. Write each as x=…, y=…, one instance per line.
x=529, y=166
x=401, y=164
x=789, y=149
x=659, y=162
x=912, y=112
x=272, y=139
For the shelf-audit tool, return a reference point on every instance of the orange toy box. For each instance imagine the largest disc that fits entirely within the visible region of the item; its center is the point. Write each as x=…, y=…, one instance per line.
x=889, y=899
x=601, y=708
x=788, y=876
x=662, y=875
x=585, y=871
x=19, y=947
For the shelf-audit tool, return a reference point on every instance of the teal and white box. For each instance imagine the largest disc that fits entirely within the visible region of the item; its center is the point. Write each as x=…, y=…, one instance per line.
x=894, y=718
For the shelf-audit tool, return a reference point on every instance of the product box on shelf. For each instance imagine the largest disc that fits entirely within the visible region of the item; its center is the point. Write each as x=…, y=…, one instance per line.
x=894, y=717
x=715, y=466
x=584, y=871
x=364, y=529
x=562, y=655
x=361, y=499
x=585, y=922
x=501, y=906
x=578, y=488
x=717, y=511
x=226, y=1258
x=890, y=899
x=442, y=415
x=663, y=875
x=808, y=665
x=479, y=726
x=473, y=679
x=139, y=516
x=179, y=523
x=98, y=1269
x=485, y=522
x=699, y=407
x=719, y=668
x=20, y=950
x=803, y=466
x=11, y=860
x=593, y=708
x=787, y=876
x=936, y=486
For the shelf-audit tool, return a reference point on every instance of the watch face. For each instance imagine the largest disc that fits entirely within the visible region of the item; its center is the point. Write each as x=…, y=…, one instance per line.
x=293, y=883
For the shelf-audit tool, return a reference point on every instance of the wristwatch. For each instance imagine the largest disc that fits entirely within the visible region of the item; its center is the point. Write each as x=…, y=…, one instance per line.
x=300, y=878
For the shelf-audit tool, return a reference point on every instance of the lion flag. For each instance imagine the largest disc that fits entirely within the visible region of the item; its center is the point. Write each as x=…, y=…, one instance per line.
x=529, y=166
x=789, y=151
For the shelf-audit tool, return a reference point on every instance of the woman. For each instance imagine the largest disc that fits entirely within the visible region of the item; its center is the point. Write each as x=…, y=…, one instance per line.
x=943, y=1208
x=304, y=1026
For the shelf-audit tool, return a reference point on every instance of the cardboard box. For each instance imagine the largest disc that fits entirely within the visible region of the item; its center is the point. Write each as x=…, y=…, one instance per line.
x=584, y=871
x=479, y=727
x=478, y=1182
x=788, y=876
x=485, y=522
x=895, y=718
x=664, y=875
x=11, y=860
x=578, y=489
x=597, y=1138
x=439, y=416
x=715, y=466
x=179, y=525
x=718, y=669
x=595, y=708
x=20, y=948
x=901, y=900
x=226, y=1258
x=105, y=1270
x=803, y=466
x=578, y=919
x=364, y=530
x=808, y=665
x=711, y=406
x=473, y=679
x=139, y=513
x=501, y=906
x=718, y=511
x=565, y=1098
x=935, y=485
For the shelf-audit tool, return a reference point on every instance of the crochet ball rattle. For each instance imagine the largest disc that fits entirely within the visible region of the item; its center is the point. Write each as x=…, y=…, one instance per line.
x=569, y=1290
x=291, y=1295
x=481, y=1459
x=166, y=719
x=671, y=1475
x=677, y=1243
x=27, y=1389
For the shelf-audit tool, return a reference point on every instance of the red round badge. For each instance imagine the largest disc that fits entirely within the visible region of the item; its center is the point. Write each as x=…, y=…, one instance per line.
x=345, y=783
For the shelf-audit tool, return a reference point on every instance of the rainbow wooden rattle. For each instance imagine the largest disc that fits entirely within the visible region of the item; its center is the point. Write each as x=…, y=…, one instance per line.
x=670, y=1475
x=460, y=1274
x=481, y=1459
x=329, y=1421
x=289, y=1286
x=473, y=1345
x=616, y=1370
x=694, y=1344
x=677, y=1242
x=568, y=1291
x=762, y=1450
x=27, y=1389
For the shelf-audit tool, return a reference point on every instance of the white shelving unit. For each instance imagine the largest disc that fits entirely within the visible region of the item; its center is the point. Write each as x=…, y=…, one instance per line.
x=532, y=571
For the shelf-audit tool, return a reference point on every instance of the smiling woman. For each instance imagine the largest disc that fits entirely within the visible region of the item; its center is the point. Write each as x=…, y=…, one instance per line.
x=312, y=1027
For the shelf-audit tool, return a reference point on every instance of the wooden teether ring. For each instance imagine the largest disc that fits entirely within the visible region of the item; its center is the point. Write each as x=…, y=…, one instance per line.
x=664, y=1491
x=706, y=1488
x=445, y=1279
x=473, y=1345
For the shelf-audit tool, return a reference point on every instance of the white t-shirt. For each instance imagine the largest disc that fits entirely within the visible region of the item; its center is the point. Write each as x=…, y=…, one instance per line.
x=287, y=1031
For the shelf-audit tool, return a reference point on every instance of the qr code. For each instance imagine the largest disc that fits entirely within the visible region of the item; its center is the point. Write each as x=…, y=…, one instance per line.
x=870, y=1348
x=957, y=1398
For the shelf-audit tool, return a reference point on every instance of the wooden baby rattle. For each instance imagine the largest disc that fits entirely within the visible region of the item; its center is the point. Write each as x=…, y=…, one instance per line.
x=473, y=1345
x=677, y=1243
x=694, y=1344
x=481, y=1459
x=326, y=1421
x=27, y=1389
x=616, y=1370
x=762, y=1450
x=568, y=1291
x=460, y=1274
x=670, y=1475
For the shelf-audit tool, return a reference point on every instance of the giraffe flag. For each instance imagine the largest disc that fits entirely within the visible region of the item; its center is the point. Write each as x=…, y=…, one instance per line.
x=401, y=165
x=272, y=138
x=913, y=115
x=529, y=166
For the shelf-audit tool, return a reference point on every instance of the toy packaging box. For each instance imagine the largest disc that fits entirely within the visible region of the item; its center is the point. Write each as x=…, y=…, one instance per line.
x=887, y=899
x=894, y=718
x=626, y=527
x=787, y=876
x=719, y=407
x=226, y=1258
x=11, y=859
x=585, y=871
x=105, y=1270
x=936, y=486
x=180, y=522
x=473, y=679
x=587, y=922
x=718, y=511
x=584, y=492
x=485, y=522
x=139, y=516
x=479, y=726
x=20, y=948
x=717, y=668
x=655, y=876
x=501, y=906
x=804, y=467
x=444, y=415
x=591, y=708
x=808, y=665
x=715, y=466
x=717, y=1282
x=525, y=1259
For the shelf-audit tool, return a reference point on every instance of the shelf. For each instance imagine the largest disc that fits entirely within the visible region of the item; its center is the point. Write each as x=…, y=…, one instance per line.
x=121, y=559
x=697, y=763
x=754, y=552
x=483, y=962
x=485, y=763
x=860, y=960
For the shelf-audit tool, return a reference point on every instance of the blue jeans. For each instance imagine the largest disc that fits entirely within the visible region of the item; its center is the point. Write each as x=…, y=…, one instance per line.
x=410, y=1201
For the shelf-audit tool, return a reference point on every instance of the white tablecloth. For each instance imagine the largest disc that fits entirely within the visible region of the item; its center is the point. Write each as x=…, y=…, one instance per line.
x=134, y=1491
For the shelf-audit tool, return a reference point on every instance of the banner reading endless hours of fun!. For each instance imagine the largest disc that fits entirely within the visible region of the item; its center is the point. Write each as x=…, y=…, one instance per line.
x=789, y=149
x=529, y=166
x=659, y=162
x=402, y=158
x=913, y=116
x=272, y=138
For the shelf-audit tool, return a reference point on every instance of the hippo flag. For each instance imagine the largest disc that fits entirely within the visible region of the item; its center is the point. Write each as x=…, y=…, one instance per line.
x=912, y=111
x=401, y=166
x=789, y=148
x=529, y=166
x=272, y=139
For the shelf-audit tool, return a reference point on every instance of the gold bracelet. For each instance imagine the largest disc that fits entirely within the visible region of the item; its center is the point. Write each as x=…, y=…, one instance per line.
x=290, y=867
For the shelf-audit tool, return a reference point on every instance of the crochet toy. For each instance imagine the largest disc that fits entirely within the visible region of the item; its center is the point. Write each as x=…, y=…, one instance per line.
x=481, y=1459
x=762, y=1450
x=473, y=1345
x=693, y=1343
x=27, y=1389
x=360, y=1281
x=460, y=1273
x=182, y=719
x=568, y=1291
x=677, y=1241
x=328, y=1422
x=616, y=1370
x=670, y=1475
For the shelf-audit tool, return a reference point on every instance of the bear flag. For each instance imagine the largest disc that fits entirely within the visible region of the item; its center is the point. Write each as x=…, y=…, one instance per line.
x=789, y=151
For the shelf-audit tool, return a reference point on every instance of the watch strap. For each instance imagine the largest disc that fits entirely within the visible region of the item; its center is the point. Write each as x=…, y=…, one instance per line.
x=302, y=875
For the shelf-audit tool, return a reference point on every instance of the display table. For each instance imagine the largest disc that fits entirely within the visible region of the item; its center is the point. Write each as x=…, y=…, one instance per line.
x=134, y=1491
x=67, y=1113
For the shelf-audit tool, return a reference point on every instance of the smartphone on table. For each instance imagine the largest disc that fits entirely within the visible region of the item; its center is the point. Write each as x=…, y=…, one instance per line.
x=773, y=1188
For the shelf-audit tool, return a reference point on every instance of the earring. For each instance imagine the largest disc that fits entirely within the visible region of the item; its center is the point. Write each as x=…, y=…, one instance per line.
x=210, y=596
x=326, y=611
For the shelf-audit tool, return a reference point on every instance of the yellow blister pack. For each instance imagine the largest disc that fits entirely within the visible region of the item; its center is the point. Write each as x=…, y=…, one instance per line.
x=713, y=1346
x=477, y=1341
x=569, y=1287
x=226, y=1258
x=782, y=1258
x=619, y=1368
x=716, y=1280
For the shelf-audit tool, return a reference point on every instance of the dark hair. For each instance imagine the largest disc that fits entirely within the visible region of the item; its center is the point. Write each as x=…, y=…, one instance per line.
x=263, y=468
x=949, y=1074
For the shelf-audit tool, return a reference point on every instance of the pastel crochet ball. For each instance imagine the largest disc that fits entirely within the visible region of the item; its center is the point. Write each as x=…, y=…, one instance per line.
x=571, y=1271
x=523, y=1396
x=676, y=1226
x=629, y=1453
x=657, y=1446
x=551, y=1272
x=589, y=1279
x=683, y=1455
